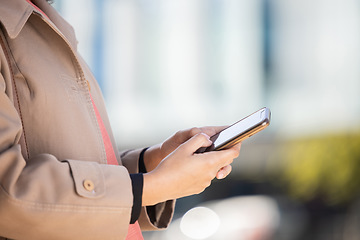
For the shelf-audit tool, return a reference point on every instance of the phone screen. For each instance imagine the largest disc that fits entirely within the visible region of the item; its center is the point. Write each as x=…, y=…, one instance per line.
x=240, y=130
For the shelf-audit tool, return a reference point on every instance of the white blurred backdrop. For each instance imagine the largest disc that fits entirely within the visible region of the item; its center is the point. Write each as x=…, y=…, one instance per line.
x=168, y=64
x=164, y=65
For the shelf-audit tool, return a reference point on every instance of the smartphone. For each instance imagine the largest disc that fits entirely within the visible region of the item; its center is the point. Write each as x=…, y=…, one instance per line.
x=239, y=131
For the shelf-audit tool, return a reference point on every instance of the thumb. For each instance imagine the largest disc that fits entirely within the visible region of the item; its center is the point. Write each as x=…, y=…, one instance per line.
x=197, y=141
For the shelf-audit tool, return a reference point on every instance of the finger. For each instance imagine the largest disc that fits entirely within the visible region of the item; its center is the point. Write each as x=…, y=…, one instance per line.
x=197, y=141
x=237, y=147
x=184, y=135
x=224, y=172
x=212, y=130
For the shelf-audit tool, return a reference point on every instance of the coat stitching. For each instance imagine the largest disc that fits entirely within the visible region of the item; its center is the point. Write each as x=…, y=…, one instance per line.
x=16, y=92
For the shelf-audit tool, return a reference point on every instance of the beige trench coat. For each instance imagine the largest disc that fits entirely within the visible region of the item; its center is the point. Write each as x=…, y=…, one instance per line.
x=50, y=141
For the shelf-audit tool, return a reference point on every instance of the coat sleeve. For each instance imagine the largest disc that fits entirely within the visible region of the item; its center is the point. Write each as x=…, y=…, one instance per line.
x=151, y=217
x=61, y=198
x=48, y=198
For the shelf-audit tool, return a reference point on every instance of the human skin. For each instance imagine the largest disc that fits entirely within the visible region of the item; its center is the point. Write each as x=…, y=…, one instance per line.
x=175, y=170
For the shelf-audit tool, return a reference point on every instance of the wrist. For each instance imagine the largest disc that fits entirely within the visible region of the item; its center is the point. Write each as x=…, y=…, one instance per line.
x=152, y=157
x=152, y=190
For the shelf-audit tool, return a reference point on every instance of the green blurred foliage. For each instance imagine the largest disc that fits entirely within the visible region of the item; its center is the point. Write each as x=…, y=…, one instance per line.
x=326, y=166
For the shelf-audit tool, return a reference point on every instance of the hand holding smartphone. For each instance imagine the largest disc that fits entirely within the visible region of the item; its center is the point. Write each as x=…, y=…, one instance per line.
x=239, y=131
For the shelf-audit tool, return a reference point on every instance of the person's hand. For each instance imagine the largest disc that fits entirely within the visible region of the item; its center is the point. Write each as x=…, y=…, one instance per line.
x=184, y=172
x=155, y=154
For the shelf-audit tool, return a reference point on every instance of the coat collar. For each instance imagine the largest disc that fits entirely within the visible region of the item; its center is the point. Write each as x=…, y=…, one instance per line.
x=15, y=13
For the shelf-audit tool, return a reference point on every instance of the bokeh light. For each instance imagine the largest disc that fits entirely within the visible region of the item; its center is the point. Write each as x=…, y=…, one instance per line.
x=199, y=223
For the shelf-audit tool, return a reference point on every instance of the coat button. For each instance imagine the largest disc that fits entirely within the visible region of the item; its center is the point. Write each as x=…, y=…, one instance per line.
x=89, y=185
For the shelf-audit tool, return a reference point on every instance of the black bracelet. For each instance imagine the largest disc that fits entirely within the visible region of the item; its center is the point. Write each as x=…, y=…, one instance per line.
x=142, y=168
x=137, y=182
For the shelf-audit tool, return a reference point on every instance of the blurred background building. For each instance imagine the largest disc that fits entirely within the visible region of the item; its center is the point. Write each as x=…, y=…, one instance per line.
x=165, y=65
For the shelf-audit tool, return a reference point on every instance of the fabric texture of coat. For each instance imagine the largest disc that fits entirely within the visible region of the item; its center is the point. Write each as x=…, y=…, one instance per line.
x=51, y=146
